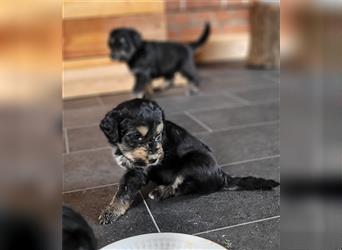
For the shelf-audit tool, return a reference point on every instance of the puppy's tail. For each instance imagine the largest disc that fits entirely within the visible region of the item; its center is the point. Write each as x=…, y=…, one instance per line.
x=248, y=183
x=203, y=38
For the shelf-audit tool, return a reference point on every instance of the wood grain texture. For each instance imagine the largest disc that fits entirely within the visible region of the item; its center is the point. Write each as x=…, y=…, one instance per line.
x=74, y=9
x=88, y=37
x=100, y=79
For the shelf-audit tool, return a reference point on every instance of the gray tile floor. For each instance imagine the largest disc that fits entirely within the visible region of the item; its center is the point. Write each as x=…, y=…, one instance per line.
x=237, y=114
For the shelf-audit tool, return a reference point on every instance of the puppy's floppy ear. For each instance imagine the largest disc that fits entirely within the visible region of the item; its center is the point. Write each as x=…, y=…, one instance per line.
x=136, y=38
x=110, y=126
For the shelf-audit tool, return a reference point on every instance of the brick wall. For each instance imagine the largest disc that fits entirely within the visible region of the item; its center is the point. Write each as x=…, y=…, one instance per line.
x=185, y=18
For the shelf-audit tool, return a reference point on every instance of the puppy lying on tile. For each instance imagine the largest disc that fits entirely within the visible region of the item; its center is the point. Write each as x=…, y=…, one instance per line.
x=151, y=148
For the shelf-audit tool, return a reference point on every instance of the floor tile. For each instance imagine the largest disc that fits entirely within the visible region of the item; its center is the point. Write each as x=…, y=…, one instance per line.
x=173, y=91
x=79, y=103
x=89, y=169
x=177, y=104
x=95, y=167
x=90, y=203
x=186, y=122
x=260, y=95
x=86, y=138
x=192, y=213
x=222, y=84
x=83, y=117
x=64, y=150
x=243, y=144
x=262, y=235
x=238, y=116
x=112, y=101
x=266, y=168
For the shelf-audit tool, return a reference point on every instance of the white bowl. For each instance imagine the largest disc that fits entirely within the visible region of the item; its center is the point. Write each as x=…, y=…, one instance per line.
x=164, y=241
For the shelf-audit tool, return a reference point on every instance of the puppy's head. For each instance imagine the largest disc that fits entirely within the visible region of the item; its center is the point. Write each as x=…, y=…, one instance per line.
x=135, y=127
x=123, y=43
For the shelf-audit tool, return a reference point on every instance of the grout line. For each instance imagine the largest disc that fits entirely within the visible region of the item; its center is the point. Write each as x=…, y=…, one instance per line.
x=89, y=150
x=66, y=141
x=228, y=105
x=240, y=127
x=251, y=88
x=237, y=98
x=202, y=124
x=270, y=78
x=98, y=98
x=249, y=160
x=82, y=126
x=85, y=189
x=238, y=225
x=195, y=134
x=267, y=101
x=150, y=213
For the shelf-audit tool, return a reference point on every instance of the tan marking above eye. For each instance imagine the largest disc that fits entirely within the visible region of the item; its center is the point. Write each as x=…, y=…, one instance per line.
x=142, y=130
x=160, y=127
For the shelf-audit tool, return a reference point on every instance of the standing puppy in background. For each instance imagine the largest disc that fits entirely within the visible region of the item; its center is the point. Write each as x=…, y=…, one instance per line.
x=148, y=60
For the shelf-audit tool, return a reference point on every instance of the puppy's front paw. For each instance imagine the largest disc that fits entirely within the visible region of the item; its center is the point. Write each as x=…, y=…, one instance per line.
x=108, y=216
x=138, y=95
x=192, y=91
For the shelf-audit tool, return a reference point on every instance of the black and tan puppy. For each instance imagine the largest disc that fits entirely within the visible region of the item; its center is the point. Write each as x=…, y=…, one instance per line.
x=151, y=148
x=148, y=60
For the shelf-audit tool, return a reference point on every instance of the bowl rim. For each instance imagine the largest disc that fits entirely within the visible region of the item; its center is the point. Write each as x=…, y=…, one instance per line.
x=158, y=235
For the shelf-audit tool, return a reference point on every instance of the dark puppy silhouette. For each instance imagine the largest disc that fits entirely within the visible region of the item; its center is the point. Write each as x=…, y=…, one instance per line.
x=77, y=234
x=151, y=148
x=153, y=59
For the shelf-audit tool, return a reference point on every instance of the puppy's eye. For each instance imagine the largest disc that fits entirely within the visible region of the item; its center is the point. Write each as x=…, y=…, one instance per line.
x=158, y=138
x=135, y=137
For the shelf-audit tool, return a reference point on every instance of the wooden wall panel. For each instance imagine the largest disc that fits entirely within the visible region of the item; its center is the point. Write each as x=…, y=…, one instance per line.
x=101, y=79
x=89, y=8
x=88, y=37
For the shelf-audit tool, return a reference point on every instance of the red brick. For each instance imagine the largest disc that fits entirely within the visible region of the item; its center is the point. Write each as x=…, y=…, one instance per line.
x=240, y=13
x=172, y=5
x=202, y=4
x=186, y=34
x=222, y=15
x=235, y=29
x=188, y=25
x=189, y=19
x=178, y=18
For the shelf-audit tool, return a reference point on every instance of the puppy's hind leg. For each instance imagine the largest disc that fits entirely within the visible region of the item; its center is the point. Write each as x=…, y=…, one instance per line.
x=142, y=80
x=163, y=192
x=148, y=93
x=168, y=83
x=189, y=71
